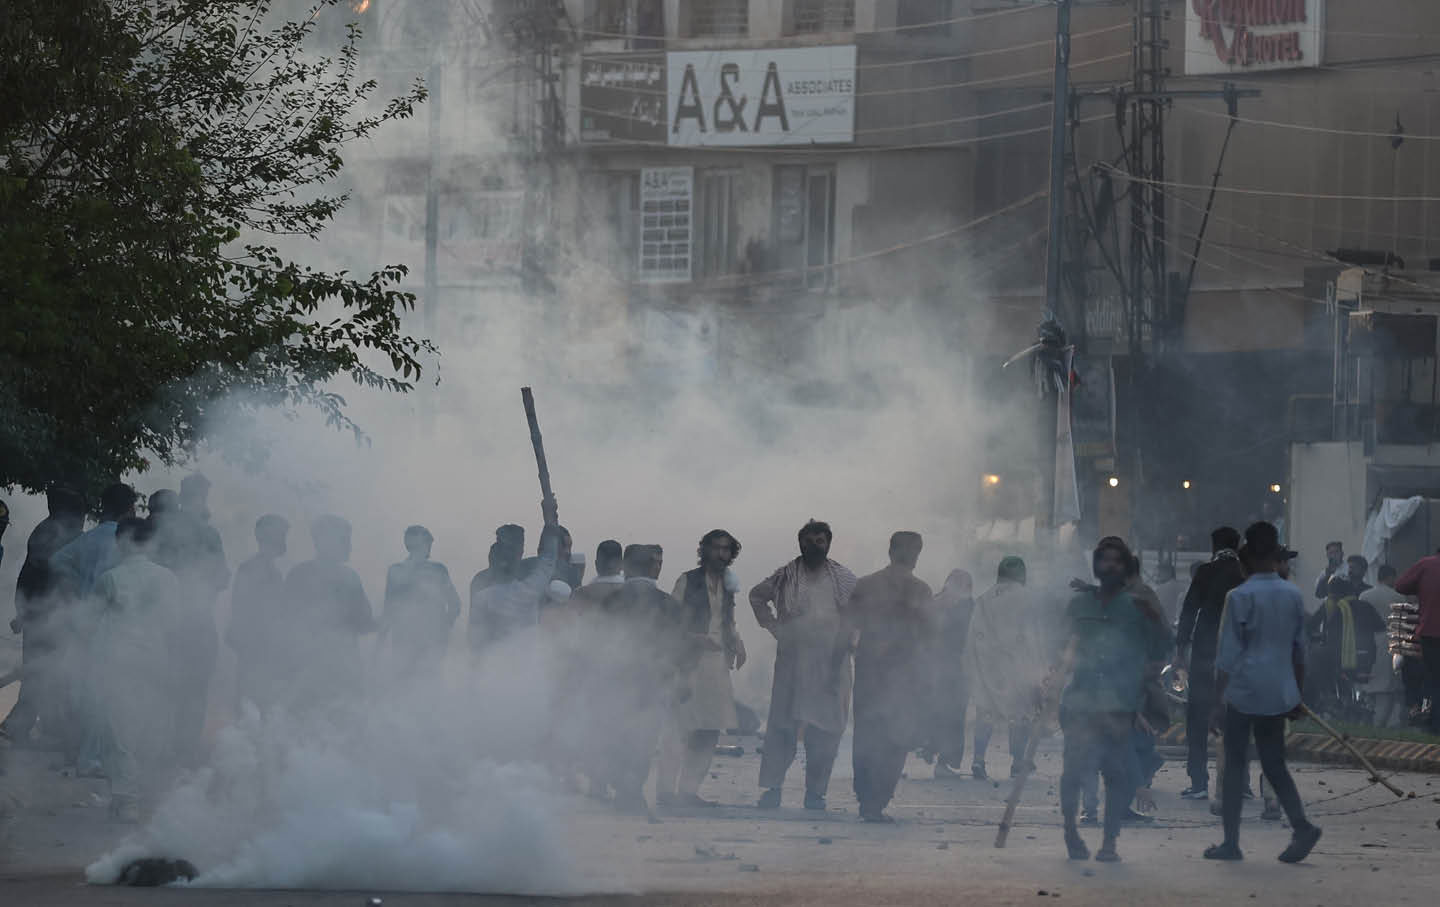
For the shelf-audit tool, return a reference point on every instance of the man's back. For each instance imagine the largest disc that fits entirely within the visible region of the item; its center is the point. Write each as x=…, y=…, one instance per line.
x=1423, y=580
x=1262, y=635
x=1199, y=625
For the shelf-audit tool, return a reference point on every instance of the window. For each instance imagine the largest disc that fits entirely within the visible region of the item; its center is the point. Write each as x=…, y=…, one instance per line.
x=716, y=233
x=631, y=19
x=931, y=13
x=824, y=15
x=719, y=18
x=804, y=222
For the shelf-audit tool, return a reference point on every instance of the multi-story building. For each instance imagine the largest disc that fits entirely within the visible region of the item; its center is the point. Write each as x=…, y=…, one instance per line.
x=791, y=163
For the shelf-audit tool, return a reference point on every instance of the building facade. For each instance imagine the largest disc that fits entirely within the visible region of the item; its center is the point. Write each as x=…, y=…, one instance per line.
x=733, y=181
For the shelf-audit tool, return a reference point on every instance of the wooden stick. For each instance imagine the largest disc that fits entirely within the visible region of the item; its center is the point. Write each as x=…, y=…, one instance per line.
x=1042, y=708
x=548, y=507
x=1374, y=774
x=1012, y=802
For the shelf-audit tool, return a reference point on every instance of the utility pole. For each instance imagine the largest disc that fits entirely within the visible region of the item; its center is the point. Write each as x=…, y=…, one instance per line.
x=1060, y=108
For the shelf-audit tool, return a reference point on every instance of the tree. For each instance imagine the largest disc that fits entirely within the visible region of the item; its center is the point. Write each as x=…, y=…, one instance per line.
x=152, y=155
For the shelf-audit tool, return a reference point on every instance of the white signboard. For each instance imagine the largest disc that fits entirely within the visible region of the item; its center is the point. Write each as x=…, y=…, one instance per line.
x=781, y=96
x=667, y=201
x=1225, y=36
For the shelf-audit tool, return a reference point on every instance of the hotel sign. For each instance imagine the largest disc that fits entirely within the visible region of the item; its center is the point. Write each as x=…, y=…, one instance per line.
x=1229, y=36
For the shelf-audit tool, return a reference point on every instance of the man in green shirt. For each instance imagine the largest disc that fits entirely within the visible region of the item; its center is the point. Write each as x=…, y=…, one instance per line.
x=1115, y=643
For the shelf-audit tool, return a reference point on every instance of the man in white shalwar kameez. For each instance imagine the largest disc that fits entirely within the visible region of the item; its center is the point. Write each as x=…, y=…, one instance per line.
x=802, y=605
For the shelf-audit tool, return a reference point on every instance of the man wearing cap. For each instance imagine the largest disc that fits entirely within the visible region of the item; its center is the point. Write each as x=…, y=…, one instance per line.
x=421, y=604
x=1260, y=670
x=1006, y=659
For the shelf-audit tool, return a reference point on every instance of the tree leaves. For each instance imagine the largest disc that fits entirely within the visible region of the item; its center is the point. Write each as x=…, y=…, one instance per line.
x=139, y=143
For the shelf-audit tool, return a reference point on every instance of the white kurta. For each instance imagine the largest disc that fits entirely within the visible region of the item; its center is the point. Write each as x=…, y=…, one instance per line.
x=1005, y=657
x=813, y=668
x=711, y=706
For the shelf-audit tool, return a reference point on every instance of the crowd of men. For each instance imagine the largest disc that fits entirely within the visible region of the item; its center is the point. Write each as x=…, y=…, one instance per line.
x=121, y=644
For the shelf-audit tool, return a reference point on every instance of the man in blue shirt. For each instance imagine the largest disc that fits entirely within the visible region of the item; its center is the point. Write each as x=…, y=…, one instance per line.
x=1260, y=669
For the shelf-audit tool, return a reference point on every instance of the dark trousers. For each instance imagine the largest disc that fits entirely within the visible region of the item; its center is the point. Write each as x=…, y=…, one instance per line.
x=780, y=747
x=878, y=762
x=37, y=686
x=1430, y=652
x=1019, y=734
x=949, y=731
x=1097, y=741
x=1269, y=733
x=1412, y=678
x=1199, y=706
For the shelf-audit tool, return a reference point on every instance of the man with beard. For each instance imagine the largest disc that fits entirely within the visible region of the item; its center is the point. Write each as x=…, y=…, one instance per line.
x=802, y=605
x=420, y=604
x=708, y=596
x=257, y=613
x=889, y=609
x=1196, y=639
x=1260, y=671
x=1114, y=644
x=1006, y=660
x=36, y=599
x=642, y=643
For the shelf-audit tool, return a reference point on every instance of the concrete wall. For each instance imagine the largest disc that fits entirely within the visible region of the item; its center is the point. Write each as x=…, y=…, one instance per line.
x=1325, y=502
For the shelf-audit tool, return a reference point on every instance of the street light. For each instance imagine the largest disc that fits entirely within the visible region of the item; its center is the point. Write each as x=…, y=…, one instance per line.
x=1114, y=481
x=991, y=479
x=1275, y=488
x=1185, y=484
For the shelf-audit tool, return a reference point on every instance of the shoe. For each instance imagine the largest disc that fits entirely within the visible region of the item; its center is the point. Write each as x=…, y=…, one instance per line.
x=770, y=799
x=1089, y=818
x=1131, y=817
x=1195, y=793
x=665, y=798
x=876, y=817
x=943, y=771
x=814, y=801
x=1107, y=852
x=1217, y=808
x=1017, y=767
x=1075, y=845
x=1301, y=843
x=977, y=771
x=1272, y=813
x=1249, y=793
x=1229, y=852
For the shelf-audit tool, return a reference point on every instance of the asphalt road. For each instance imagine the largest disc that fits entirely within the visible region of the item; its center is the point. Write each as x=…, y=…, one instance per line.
x=1375, y=850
